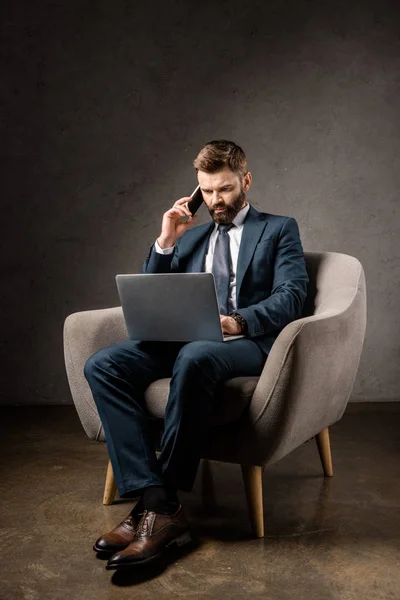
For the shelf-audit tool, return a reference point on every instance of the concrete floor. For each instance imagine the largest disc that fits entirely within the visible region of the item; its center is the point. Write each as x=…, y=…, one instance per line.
x=335, y=538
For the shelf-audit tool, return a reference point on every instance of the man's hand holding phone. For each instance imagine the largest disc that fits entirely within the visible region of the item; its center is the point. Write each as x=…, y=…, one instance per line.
x=179, y=218
x=172, y=227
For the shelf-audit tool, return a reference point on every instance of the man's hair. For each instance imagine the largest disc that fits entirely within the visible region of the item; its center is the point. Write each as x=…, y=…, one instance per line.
x=218, y=154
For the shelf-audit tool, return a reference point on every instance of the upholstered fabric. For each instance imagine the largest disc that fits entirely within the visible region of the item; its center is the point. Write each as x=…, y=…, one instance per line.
x=304, y=387
x=84, y=334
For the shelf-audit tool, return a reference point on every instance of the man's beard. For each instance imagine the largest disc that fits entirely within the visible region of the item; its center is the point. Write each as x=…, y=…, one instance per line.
x=231, y=210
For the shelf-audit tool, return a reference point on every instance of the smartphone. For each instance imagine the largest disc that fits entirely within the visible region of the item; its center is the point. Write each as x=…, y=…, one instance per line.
x=194, y=204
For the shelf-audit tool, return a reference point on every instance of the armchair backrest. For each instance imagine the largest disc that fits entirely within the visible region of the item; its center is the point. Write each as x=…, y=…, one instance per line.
x=334, y=279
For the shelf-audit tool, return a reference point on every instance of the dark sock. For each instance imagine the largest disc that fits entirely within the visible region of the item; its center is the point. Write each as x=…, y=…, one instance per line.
x=138, y=508
x=160, y=499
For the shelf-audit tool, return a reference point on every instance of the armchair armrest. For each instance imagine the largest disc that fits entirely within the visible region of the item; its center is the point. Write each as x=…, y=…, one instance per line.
x=85, y=333
x=309, y=374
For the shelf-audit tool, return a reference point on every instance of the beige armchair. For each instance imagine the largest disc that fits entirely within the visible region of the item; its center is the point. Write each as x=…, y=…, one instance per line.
x=303, y=389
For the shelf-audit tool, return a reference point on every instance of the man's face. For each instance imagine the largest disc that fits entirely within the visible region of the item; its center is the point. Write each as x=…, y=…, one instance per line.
x=224, y=193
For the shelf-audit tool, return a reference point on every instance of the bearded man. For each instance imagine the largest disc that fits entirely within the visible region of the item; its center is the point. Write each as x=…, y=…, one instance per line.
x=261, y=283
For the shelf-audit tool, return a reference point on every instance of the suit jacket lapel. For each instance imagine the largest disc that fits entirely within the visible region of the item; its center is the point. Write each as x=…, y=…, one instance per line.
x=252, y=230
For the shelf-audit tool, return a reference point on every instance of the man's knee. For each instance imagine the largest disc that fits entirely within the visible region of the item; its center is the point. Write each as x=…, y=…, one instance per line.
x=100, y=360
x=123, y=356
x=195, y=353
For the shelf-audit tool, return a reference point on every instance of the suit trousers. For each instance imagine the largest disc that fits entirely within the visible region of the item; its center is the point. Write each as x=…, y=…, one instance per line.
x=118, y=376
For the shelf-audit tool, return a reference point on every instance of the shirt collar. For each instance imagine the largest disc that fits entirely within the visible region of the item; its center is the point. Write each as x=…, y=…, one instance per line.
x=240, y=217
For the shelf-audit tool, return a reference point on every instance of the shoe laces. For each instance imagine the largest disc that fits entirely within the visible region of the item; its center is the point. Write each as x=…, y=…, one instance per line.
x=144, y=525
x=128, y=522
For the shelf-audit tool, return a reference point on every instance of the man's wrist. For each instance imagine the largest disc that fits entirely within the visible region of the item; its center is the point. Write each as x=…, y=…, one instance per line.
x=241, y=321
x=165, y=243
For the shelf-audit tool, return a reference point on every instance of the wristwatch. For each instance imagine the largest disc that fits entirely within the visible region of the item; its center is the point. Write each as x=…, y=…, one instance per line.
x=241, y=320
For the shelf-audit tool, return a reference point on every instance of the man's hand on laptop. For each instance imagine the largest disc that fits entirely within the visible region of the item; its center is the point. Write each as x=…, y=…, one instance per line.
x=172, y=227
x=229, y=325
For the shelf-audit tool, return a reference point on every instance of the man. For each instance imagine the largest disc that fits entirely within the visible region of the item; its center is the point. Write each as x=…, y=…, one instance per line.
x=261, y=282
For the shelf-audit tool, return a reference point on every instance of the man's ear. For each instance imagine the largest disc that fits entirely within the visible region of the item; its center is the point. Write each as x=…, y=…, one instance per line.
x=247, y=179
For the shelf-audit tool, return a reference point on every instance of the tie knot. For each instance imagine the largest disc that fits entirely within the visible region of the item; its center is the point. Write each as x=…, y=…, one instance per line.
x=225, y=228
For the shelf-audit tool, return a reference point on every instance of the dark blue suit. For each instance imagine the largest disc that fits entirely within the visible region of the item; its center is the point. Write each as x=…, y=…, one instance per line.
x=271, y=290
x=271, y=272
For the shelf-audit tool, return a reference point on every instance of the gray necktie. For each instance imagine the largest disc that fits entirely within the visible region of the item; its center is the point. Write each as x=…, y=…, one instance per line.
x=221, y=267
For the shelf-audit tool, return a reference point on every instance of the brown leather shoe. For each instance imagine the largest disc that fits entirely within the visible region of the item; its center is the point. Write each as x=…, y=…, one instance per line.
x=121, y=536
x=155, y=533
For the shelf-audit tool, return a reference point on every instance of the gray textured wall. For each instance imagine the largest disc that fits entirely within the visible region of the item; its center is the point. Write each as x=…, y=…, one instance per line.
x=105, y=105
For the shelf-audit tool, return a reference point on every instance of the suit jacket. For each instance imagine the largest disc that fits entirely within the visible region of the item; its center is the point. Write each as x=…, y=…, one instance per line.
x=271, y=277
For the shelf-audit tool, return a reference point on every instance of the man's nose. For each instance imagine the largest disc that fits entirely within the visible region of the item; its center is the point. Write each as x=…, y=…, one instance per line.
x=215, y=198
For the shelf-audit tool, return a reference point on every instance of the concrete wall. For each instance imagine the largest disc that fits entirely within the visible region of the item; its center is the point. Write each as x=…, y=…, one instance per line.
x=105, y=106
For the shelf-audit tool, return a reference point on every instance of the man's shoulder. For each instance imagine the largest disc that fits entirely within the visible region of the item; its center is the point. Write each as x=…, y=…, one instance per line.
x=274, y=220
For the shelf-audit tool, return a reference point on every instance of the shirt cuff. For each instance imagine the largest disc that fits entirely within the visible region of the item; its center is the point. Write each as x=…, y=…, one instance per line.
x=160, y=250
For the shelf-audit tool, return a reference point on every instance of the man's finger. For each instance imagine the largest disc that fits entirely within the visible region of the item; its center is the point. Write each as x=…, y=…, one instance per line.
x=182, y=201
x=179, y=211
x=190, y=220
x=183, y=208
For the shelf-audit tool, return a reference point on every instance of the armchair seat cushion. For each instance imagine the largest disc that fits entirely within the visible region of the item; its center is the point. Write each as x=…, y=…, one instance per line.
x=231, y=400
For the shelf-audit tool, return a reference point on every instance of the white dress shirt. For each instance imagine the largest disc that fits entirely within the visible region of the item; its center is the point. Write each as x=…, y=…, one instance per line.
x=235, y=237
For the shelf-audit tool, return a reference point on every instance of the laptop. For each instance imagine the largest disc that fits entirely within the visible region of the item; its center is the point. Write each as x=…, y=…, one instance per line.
x=171, y=307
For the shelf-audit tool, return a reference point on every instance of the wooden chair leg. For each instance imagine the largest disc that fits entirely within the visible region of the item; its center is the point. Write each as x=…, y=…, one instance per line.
x=324, y=449
x=111, y=487
x=252, y=479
